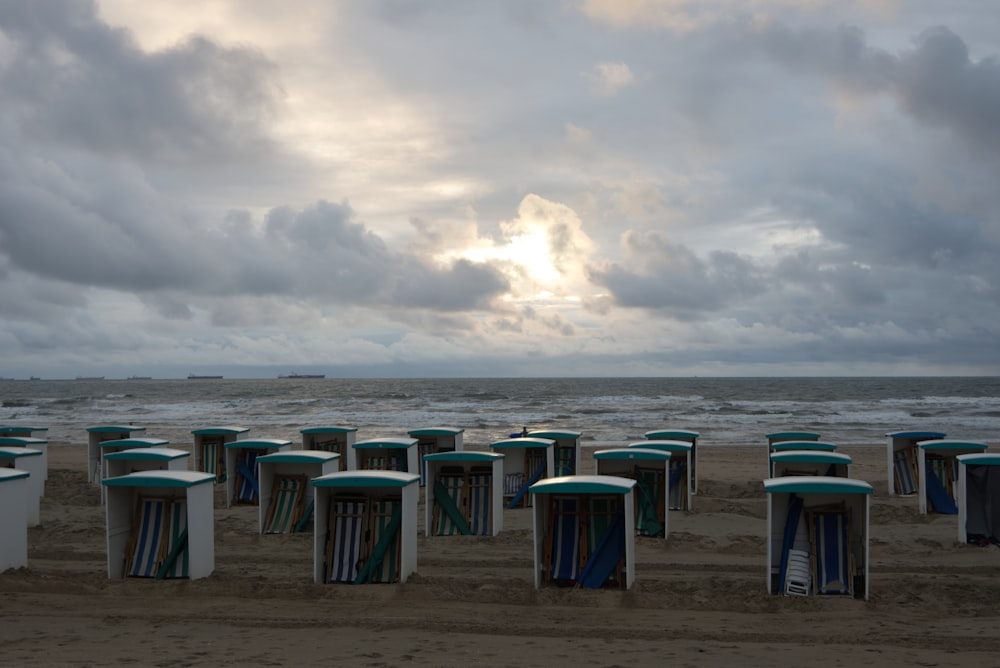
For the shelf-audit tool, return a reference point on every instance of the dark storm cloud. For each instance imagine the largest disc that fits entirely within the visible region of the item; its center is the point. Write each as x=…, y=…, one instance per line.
x=71, y=79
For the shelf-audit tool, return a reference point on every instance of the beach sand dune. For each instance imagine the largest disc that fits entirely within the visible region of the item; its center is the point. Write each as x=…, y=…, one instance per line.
x=700, y=598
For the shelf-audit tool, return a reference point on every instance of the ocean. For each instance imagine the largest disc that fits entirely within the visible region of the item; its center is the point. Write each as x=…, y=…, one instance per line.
x=725, y=411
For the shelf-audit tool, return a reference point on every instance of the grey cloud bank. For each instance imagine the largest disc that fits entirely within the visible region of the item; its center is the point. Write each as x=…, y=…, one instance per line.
x=778, y=194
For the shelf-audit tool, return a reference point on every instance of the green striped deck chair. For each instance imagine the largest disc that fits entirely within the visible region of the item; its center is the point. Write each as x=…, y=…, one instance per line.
x=534, y=459
x=345, y=538
x=383, y=460
x=333, y=445
x=650, y=501
x=479, y=497
x=944, y=469
x=449, y=516
x=175, y=563
x=425, y=448
x=904, y=467
x=286, y=507
x=678, y=484
x=213, y=457
x=381, y=563
x=565, y=457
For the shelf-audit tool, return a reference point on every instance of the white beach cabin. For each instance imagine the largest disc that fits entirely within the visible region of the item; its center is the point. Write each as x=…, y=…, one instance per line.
x=679, y=480
x=97, y=435
x=287, y=500
x=818, y=536
x=901, y=456
x=979, y=498
x=526, y=461
x=34, y=443
x=332, y=439
x=365, y=527
x=566, y=450
x=122, y=444
x=435, y=439
x=13, y=524
x=680, y=435
x=387, y=454
x=28, y=460
x=583, y=531
x=810, y=462
x=651, y=471
x=160, y=524
x=243, y=479
x=210, y=448
x=28, y=431
x=463, y=494
x=937, y=473
x=783, y=436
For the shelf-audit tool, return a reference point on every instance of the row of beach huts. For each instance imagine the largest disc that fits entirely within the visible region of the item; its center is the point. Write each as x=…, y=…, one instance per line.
x=360, y=499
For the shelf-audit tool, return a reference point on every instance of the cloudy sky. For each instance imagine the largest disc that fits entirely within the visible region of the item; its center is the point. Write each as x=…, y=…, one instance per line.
x=482, y=188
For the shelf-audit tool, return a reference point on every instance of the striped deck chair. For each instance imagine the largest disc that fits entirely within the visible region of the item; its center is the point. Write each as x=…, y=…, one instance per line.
x=346, y=533
x=424, y=448
x=333, y=445
x=247, y=489
x=285, y=509
x=565, y=457
x=649, y=501
x=678, y=484
x=522, y=495
x=562, y=542
x=145, y=550
x=480, y=483
x=793, y=530
x=605, y=542
x=512, y=484
x=829, y=538
x=384, y=461
x=175, y=563
x=381, y=564
x=213, y=457
x=448, y=517
x=904, y=467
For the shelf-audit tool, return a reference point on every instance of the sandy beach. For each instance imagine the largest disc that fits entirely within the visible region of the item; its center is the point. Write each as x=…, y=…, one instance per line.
x=700, y=597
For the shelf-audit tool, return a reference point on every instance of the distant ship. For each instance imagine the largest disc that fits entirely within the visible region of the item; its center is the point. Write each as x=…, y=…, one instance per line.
x=303, y=375
x=192, y=376
x=139, y=378
x=34, y=378
x=90, y=377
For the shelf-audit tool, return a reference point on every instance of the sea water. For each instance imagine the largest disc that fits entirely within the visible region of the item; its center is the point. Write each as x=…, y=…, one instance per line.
x=725, y=411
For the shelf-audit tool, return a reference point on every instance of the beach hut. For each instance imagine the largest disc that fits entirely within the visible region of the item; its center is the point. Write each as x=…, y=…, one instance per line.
x=30, y=461
x=13, y=525
x=784, y=436
x=680, y=435
x=566, y=450
x=286, y=497
x=979, y=498
x=810, y=462
x=332, y=439
x=160, y=524
x=463, y=493
x=650, y=469
x=28, y=431
x=97, y=435
x=901, y=457
x=818, y=535
x=937, y=473
x=243, y=486
x=678, y=482
x=365, y=527
x=35, y=443
x=435, y=439
x=526, y=460
x=387, y=454
x=210, y=448
x=583, y=531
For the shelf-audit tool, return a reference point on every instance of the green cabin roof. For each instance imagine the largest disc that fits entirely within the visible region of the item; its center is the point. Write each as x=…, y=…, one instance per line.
x=809, y=484
x=114, y=429
x=14, y=429
x=980, y=459
x=385, y=443
x=13, y=452
x=783, y=446
x=583, y=484
x=668, y=446
x=299, y=456
x=149, y=454
x=916, y=435
x=12, y=474
x=463, y=456
x=811, y=457
x=135, y=443
x=366, y=479
x=220, y=431
x=672, y=434
x=436, y=431
x=793, y=436
x=941, y=444
x=161, y=479
x=22, y=441
x=633, y=452
x=523, y=442
x=259, y=443
x=328, y=430
x=554, y=434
